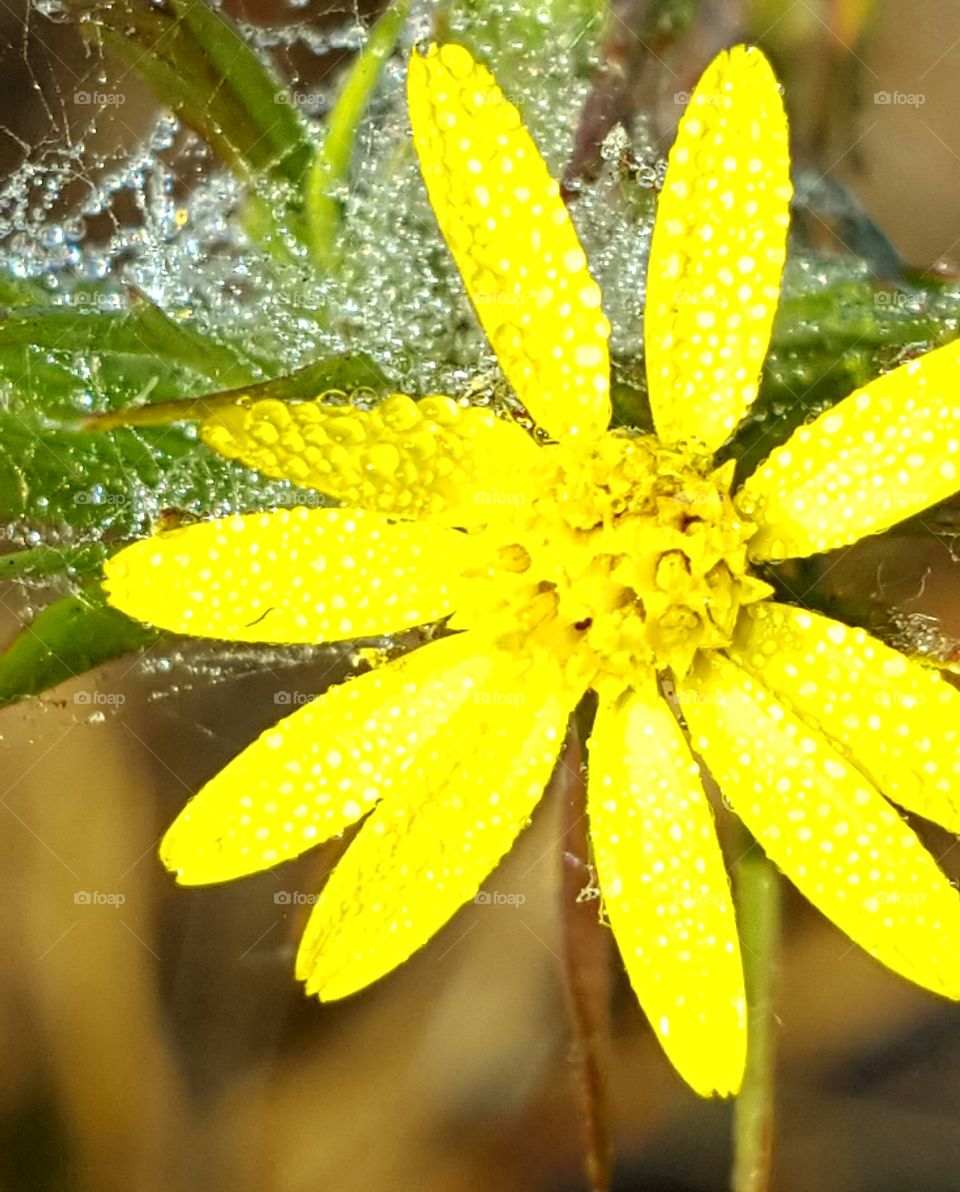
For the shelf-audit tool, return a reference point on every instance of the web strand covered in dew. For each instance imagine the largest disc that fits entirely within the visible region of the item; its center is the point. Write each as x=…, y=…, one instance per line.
x=109, y=193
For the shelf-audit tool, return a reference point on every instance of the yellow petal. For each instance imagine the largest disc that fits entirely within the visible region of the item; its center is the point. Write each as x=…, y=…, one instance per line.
x=896, y=720
x=718, y=248
x=316, y=772
x=513, y=241
x=429, y=459
x=426, y=849
x=884, y=453
x=830, y=831
x=666, y=891
x=294, y=575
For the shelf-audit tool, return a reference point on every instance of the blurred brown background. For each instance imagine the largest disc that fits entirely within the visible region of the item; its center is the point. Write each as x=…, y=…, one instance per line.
x=153, y=1038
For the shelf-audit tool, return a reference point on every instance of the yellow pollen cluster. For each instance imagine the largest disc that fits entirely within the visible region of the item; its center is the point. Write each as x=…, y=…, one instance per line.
x=631, y=555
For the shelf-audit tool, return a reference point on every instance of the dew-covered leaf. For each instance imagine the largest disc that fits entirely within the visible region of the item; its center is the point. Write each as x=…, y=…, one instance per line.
x=195, y=61
x=120, y=480
x=144, y=330
x=346, y=374
x=331, y=161
x=39, y=561
x=69, y=637
x=835, y=331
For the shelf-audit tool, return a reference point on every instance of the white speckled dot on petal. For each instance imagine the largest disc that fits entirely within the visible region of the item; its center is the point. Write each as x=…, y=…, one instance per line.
x=319, y=770
x=513, y=241
x=719, y=243
x=884, y=453
x=830, y=831
x=292, y=575
x=665, y=890
x=422, y=854
x=897, y=720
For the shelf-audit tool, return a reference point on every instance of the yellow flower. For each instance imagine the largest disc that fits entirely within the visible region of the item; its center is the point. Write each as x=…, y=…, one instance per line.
x=603, y=559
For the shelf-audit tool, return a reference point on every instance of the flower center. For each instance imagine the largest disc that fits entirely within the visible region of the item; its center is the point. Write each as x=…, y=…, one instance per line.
x=632, y=555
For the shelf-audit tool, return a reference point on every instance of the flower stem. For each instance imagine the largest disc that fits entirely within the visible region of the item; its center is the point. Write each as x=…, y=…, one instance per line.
x=757, y=885
x=586, y=962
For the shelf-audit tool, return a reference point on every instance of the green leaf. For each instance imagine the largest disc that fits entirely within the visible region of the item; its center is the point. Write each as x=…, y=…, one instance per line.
x=66, y=639
x=264, y=98
x=119, y=480
x=17, y=292
x=331, y=162
x=508, y=43
x=144, y=330
x=829, y=339
x=335, y=373
x=42, y=561
x=197, y=63
x=121, y=477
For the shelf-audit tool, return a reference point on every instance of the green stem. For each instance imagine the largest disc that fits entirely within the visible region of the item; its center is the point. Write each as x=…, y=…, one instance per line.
x=331, y=163
x=586, y=968
x=757, y=887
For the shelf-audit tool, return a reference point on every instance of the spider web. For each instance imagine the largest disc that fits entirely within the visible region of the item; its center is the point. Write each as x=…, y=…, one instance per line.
x=104, y=190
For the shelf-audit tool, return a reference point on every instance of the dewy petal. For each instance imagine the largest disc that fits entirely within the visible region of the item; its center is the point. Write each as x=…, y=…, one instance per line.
x=665, y=889
x=428, y=459
x=319, y=770
x=830, y=831
x=293, y=575
x=884, y=453
x=718, y=249
x=513, y=241
x=427, y=848
x=897, y=721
